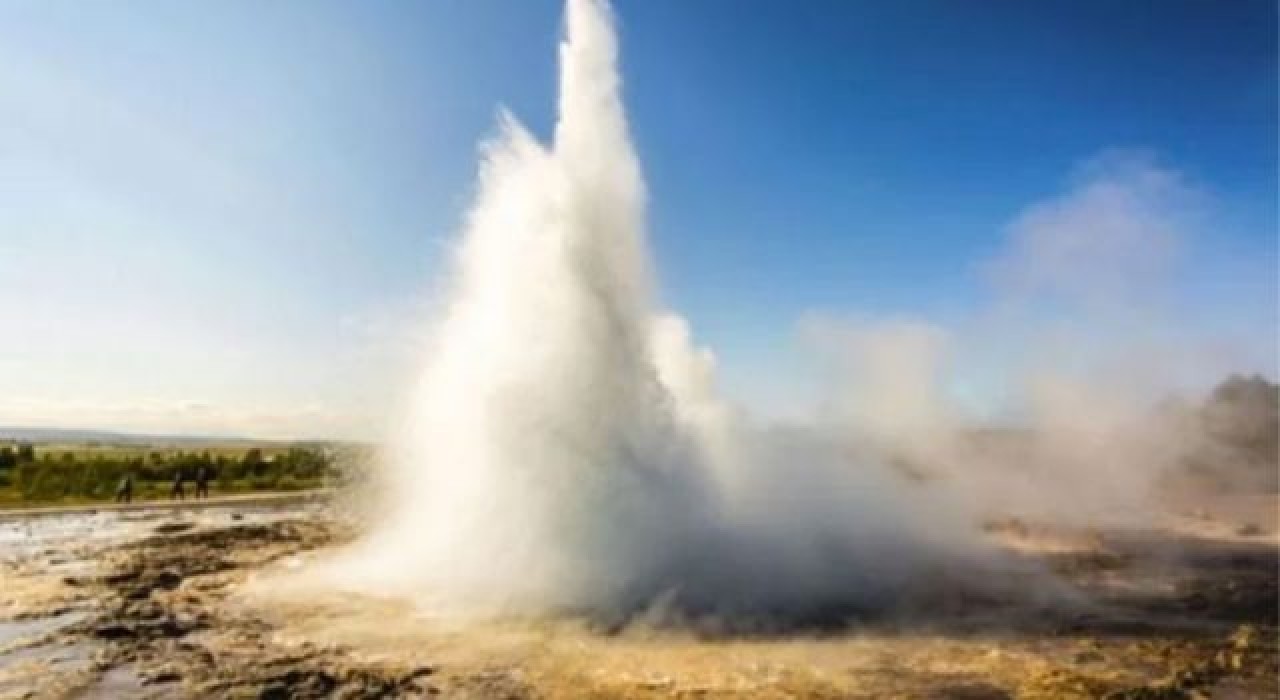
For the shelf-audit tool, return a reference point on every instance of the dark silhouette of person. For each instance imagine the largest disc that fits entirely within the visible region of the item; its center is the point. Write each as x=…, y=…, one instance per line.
x=178, y=492
x=202, y=481
x=124, y=491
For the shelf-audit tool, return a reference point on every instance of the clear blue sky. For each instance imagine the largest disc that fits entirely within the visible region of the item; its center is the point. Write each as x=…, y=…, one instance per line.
x=214, y=216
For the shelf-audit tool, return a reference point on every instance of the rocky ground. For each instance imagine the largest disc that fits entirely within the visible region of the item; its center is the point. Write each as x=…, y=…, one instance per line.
x=160, y=611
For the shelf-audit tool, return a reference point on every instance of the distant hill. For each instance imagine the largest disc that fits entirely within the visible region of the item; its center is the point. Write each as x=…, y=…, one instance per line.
x=68, y=436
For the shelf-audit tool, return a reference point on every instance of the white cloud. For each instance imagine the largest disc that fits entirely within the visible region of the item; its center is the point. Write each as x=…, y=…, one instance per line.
x=1114, y=238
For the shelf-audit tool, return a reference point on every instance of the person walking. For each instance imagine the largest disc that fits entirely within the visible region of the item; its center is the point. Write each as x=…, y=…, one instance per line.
x=124, y=491
x=202, y=481
x=178, y=492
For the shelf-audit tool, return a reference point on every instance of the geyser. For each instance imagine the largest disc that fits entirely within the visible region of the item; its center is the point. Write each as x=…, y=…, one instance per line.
x=567, y=449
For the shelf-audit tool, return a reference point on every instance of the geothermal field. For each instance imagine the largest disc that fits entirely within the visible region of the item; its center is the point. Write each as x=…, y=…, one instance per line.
x=570, y=507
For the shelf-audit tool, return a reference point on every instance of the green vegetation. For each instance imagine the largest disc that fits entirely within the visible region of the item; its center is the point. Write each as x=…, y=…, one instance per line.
x=50, y=474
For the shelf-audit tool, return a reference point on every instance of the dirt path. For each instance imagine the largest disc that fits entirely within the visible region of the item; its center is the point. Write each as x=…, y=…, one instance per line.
x=269, y=498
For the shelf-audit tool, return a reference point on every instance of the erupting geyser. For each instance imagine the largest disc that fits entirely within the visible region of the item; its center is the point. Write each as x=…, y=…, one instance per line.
x=566, y=448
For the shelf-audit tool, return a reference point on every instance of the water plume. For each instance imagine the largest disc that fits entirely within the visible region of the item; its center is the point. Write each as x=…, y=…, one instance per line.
x=567, y=448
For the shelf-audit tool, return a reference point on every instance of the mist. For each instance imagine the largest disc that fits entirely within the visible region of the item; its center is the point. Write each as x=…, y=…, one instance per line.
x=1075, y=393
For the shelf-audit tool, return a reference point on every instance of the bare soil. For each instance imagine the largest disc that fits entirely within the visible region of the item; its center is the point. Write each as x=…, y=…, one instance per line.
x=1176, y=612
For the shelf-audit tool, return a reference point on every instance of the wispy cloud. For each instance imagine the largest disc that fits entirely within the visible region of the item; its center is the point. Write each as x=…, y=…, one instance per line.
x=1115, y=237
x=1081, y=287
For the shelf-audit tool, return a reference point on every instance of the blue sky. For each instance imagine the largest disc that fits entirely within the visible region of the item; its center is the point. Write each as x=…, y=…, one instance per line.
x=219, y=217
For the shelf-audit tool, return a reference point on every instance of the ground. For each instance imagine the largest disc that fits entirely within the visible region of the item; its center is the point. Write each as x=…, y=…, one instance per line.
x=179, y=602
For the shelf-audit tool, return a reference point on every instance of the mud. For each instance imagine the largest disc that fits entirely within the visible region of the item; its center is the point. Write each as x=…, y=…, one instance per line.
x=190, y=607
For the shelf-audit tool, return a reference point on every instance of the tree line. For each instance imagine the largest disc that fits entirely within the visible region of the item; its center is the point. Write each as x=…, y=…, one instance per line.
x=39, y=475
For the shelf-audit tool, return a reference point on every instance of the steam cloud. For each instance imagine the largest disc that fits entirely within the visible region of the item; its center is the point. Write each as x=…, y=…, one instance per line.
x=568, y=448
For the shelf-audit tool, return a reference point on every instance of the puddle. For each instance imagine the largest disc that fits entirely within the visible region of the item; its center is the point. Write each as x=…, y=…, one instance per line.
x=39, y=552
x=44, y=666
x=62, y=656
x=58, y=536
x=119, y=682
x=19, y=631
x=62, y=538
x=124, y=682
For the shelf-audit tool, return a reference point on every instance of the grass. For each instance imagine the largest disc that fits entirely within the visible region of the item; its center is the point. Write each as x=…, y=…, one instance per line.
x=82, y=474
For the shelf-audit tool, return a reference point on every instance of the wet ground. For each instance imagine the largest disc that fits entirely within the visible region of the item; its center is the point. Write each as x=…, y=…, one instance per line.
x=182, y=603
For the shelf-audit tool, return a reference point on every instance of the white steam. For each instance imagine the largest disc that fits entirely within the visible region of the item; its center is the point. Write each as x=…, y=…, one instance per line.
x=568, y=447
x=1052, y=401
